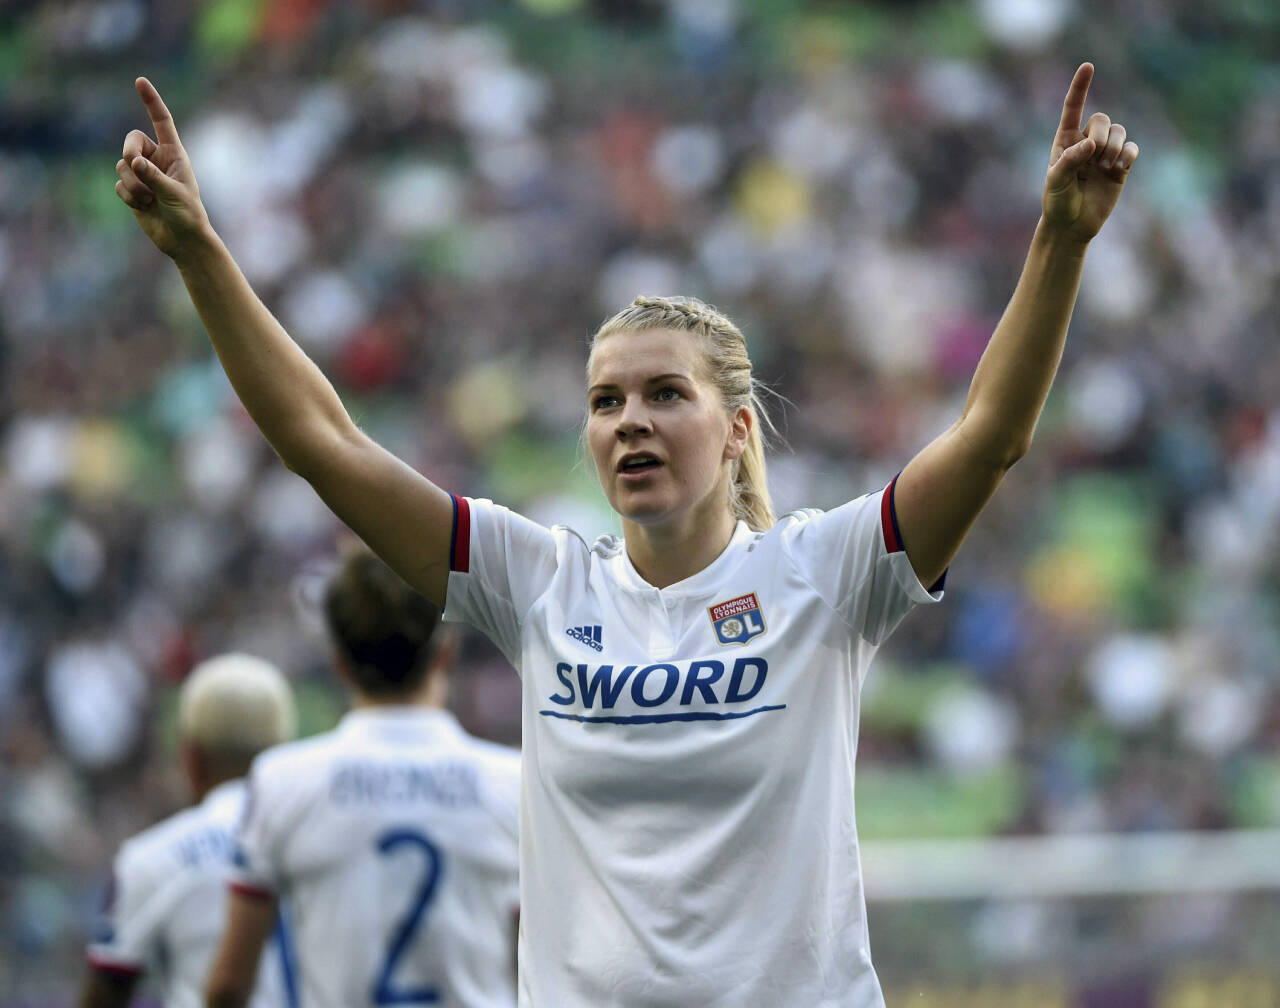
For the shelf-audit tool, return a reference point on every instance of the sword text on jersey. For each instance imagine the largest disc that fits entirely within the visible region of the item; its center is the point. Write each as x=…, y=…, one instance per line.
x=654, y=685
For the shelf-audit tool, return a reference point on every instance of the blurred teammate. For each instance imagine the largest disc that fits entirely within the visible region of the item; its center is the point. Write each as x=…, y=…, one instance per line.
x=394, y=836
x=691, y=690
x=167, y=906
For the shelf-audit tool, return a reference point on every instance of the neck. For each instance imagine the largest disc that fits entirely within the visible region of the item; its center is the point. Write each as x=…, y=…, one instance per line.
x=430, y=694
x=203, y=786
x=663, y=554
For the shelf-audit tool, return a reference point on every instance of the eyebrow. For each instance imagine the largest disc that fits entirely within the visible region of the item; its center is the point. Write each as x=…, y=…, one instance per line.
x=648, y=381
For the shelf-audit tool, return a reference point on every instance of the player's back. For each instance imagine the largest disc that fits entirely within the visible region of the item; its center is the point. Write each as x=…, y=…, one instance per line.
x=167, y=908
x=394, y=840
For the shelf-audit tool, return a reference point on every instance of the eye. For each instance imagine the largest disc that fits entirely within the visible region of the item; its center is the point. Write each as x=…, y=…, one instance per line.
x=604, y=402
x=668, y=394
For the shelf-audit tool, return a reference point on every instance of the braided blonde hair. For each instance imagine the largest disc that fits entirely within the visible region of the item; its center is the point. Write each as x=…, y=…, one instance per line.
x=728, y=367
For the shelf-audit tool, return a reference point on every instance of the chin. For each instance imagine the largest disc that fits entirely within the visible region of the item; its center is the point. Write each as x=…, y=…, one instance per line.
x=641, y=512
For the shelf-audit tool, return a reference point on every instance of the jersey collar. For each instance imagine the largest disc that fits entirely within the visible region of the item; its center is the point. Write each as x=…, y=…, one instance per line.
x=221, y=792
x=702, y=582
x=396, y=720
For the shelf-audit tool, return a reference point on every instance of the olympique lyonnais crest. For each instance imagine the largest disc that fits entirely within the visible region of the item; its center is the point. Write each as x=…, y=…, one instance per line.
x=737, y=620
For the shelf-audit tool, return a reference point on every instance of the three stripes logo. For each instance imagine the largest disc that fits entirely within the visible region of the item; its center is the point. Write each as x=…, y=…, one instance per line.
x=590, y=635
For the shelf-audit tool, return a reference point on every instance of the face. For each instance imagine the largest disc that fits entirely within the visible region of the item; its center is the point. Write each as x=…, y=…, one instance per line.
x=662, y=440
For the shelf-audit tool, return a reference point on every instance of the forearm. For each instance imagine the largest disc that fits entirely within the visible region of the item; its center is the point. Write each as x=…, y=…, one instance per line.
x=235, y=967
x=285, y=393
x=226, y=998
x=107, y=989
x=1017, y=368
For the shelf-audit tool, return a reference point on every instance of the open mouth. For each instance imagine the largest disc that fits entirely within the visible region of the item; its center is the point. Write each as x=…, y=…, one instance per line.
x=638, y=463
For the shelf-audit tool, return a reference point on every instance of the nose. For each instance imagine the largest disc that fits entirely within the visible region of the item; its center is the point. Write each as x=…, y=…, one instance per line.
x=634, y=420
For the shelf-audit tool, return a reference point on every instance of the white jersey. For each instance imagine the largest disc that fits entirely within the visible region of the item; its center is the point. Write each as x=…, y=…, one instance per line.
x=166, y=910
x=394, y=839
x=687, y=810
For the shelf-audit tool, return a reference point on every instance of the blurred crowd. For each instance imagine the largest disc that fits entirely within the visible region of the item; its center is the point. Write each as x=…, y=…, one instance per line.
x=440, y=200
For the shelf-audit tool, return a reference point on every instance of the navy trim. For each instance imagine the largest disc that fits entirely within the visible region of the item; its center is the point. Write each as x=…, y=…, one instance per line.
x=941, y=583
x=893, y=513
x=453, y=534
x=288, y=964
x=660, y=718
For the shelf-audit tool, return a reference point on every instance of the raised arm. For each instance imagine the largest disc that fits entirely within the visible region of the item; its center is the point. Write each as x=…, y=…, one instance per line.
x=405, y=518
x=943, y=489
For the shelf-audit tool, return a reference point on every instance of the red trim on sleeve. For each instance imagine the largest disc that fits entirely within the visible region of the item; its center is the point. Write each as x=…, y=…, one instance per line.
x=114, y=968
x=460, y=549
x=888, y=520
x=252, y=891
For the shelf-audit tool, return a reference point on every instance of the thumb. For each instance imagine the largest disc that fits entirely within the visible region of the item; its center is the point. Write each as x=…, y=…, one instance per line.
x=1062, y=171
x=150, y=173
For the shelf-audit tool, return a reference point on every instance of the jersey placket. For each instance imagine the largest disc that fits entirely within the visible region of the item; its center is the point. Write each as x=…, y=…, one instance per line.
x=662, y=641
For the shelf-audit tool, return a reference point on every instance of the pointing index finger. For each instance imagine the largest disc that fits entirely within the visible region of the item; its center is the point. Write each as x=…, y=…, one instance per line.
x=1073, y=104
x=166, y=132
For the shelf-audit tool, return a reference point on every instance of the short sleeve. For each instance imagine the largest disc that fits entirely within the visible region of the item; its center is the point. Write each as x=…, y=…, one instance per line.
x=127, y=930
x=255, y=868
x=500, y=564
x=854, y=558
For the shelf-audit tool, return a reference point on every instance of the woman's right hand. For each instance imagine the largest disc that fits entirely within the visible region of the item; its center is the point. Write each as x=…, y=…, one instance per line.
x=156, y=180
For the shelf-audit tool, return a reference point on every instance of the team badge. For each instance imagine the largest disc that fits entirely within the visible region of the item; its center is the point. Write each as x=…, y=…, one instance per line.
x=737, y=620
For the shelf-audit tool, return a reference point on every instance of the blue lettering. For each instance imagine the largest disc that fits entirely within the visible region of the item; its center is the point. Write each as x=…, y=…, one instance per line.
x=701, y=683
x=197, y=848
x=562, y=673
x=604, y=683
x=637, y=687
x=740, y=667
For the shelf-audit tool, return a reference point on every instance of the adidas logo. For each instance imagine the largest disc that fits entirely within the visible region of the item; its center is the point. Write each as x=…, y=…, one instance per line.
x=589, y=635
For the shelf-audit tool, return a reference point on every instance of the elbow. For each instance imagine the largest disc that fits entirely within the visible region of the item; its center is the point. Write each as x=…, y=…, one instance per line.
x=311, y=453
x=990, y=446
x=1013, y=453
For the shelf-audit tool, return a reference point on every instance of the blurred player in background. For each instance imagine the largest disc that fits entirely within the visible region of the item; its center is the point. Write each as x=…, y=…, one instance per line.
x=691, y=690
x=167, y=904
x=393, y=837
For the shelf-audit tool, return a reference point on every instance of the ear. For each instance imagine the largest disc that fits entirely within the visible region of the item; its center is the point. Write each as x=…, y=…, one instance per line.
x=342, y=665
x=194, y=767
x=741, y=422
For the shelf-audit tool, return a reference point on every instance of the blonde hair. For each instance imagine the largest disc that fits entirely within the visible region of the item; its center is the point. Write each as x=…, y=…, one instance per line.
x=728, y=367
x=234, y=706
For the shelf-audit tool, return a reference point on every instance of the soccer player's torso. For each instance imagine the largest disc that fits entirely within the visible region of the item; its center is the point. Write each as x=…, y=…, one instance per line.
x=703, y=736
x=400, y=875
x=177, y=871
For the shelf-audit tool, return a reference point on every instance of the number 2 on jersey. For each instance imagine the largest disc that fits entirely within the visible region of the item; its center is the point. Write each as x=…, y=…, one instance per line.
x=385, y=992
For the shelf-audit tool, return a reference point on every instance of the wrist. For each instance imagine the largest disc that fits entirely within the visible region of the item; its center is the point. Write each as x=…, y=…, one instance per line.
x=1058, y=240
x=197, y=248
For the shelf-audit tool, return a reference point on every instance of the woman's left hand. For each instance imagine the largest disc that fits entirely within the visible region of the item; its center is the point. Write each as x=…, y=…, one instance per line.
x=1087, y=167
